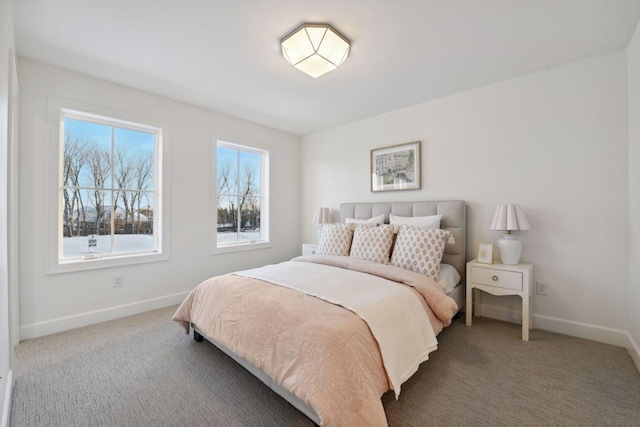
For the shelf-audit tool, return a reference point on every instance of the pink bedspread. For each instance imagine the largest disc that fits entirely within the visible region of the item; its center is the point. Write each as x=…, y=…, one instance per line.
x=322, y=353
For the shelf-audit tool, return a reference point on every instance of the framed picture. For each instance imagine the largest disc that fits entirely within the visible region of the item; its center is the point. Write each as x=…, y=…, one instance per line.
x=485, y=253
x=396, y=167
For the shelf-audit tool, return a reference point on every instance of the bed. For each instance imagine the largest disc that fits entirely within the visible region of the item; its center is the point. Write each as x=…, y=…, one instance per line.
x=321, y=330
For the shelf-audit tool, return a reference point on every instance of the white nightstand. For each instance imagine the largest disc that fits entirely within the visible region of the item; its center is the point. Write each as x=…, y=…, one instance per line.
x=501, y=279
x=309, y=249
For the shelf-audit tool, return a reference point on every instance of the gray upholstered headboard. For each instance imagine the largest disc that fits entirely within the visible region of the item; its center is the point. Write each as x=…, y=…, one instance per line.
x=453, y=219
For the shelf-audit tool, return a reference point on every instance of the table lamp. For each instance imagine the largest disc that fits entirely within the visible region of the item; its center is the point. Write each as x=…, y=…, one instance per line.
x=509, y=218
x=322, y=216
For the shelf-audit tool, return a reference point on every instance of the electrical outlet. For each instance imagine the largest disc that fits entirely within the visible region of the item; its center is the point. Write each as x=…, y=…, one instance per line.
x=541, y=287
x=118, y=281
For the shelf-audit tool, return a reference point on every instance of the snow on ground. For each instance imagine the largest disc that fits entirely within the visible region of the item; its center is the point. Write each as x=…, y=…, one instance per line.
x=124, y=243
x=78, y=246
x=226, y=238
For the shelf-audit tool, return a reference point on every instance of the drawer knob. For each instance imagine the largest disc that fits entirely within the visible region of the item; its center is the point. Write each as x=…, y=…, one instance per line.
x=494, y=278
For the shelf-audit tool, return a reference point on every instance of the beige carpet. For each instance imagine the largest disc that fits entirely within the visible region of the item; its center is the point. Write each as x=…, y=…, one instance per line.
x=143, y=371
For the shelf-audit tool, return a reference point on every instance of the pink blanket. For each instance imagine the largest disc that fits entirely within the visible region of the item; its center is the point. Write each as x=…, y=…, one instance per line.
x=322, y=353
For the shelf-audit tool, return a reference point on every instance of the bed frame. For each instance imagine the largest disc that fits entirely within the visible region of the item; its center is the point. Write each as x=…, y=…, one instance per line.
x=453, y=219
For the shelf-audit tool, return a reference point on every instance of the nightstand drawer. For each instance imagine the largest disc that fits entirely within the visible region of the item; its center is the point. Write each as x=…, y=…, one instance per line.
x=497, y=278
x=309, y=249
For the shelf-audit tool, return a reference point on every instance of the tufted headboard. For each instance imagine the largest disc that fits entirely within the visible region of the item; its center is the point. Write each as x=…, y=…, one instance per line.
x=453, y=220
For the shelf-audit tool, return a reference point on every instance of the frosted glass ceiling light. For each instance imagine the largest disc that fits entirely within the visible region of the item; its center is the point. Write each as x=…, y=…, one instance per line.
x=315, y=49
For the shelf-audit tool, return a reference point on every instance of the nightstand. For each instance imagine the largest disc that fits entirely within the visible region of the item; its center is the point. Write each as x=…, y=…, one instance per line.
x=309, y=249
x=501, y=279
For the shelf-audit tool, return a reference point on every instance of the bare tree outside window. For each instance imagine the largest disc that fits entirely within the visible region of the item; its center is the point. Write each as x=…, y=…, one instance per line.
x=239, y=195
x=75, y=158
x=134, y=177
x=123, y=176
x=99, y=163
x=108, y=188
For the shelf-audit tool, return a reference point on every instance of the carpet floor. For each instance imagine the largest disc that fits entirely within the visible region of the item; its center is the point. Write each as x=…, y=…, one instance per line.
x=144, y=371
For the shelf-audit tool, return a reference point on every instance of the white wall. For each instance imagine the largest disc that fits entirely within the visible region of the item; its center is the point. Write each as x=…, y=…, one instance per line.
x=6, y=45
x=633, y=60
x=554, y=141
x=49, y=303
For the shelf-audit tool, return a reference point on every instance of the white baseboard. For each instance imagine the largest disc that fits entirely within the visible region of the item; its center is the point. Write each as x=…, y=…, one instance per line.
x=61, y=324
x=7, y=384
x=588, y=331
x=634, y=351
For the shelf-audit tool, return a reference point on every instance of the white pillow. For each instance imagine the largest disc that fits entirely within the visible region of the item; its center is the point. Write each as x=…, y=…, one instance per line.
x=431, y=221
x=449, y=275
x=376, y=220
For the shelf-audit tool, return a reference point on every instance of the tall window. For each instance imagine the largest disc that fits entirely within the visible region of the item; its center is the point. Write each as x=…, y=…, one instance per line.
x=109, y=187
x=241, y=196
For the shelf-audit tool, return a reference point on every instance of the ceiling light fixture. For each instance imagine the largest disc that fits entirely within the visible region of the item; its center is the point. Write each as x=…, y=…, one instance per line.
x=315, y=49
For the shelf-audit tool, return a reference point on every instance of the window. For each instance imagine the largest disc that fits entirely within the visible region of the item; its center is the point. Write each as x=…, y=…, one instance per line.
x=241, y=196
x=108, y=190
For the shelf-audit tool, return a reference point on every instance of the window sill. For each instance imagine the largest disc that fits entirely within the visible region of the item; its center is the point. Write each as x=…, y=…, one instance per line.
x=240, y=247
x=110, y=262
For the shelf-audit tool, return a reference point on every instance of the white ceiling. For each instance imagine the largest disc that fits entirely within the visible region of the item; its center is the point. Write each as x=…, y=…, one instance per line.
x=224, y=55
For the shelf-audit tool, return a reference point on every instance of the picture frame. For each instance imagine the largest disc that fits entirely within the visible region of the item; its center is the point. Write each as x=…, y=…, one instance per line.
x=396, y=168
x=485, y=253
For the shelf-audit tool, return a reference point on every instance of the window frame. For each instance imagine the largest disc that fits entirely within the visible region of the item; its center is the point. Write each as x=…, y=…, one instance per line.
x=265, y=221
x=57, y=110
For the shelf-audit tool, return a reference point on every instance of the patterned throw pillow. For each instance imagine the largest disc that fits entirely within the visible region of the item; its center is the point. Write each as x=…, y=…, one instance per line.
x=372, y=243
x=419, y=250
x=335, y=239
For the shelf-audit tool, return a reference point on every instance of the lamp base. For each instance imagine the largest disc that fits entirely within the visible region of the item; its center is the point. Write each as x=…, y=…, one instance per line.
x=510, y=249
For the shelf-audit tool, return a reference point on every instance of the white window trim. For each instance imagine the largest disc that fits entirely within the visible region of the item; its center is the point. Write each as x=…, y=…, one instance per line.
x=54, y=265
x=265, y=217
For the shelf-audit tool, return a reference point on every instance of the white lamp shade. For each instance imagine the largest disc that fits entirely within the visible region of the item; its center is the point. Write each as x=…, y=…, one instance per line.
x=509, y=218
x=322, y=216
x=315, y=49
